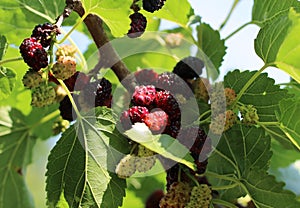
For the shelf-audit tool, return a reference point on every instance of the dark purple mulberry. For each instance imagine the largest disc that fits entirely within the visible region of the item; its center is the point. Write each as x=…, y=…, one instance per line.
x=43, y=32
x=34, y=54
x=189, y=68
x=146, y=76
x=173, y=83
x=153, y=5
x=103, y=92
x=137, y=26
x=66, y=108
x=95, y=94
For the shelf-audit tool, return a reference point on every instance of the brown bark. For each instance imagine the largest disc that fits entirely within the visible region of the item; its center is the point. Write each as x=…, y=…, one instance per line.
x=108, y=56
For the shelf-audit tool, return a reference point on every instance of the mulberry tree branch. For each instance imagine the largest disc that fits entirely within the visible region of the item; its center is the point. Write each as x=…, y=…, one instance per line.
x=108, y=56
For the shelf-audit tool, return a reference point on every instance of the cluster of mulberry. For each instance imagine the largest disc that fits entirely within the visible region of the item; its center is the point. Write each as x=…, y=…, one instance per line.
x=33, y=49
x=138, y=21
x=44, y=84
x=89, y=94
x=152, y=105
x=249, y=114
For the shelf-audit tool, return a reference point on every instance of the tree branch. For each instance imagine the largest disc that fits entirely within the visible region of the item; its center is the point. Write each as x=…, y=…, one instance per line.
x=108, y=56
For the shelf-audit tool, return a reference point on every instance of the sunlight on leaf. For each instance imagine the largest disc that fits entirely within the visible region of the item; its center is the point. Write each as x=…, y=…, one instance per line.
x=278, y=44
x=266, y=10
x=3, y=46
x=288, y=117
x=288, y=57
x=118, y=22
x=7, y=82
x=177, y=11
x=161, y=144
x=79, y=163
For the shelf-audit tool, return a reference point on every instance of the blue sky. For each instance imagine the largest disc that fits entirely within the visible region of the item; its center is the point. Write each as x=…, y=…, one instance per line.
x=240, y=51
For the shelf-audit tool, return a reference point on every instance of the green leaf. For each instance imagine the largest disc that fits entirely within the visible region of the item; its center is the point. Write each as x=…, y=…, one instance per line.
x=266, y=192
x=270, y=39
x=7, y=82
x=288, y=117
x=239, y=150
x=289, y=53
x=66, y=170
x=114, y=13
x=210, y=42
x=264, y=11
x=278, y=44
x=16, y=146
x=143, y=187
x=20, y=98
x=113, y=196
x=242, y=157
x=178, y=11
x=43, y=118
x=18, y=18
x=161, y=144
x=80, y=162
x=262, y=93
x=3, y=46
x=152, y=51
x=282, y=157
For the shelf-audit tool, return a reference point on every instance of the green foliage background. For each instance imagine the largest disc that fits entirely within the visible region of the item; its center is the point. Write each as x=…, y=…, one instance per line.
x=244, y=153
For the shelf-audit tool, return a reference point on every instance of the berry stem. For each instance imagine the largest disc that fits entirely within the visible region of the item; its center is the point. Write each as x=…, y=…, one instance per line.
x=188, y=173
x=179, y=174
x=223, y=203
x=239, y=29
x=71, y=98
x=204, y=114
x=47, y=118
x=50, y=52
x=133, y=148
x=235, y=3
x=205, y=120
x=10, y=60
x=249, y=83
x=73, y=28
